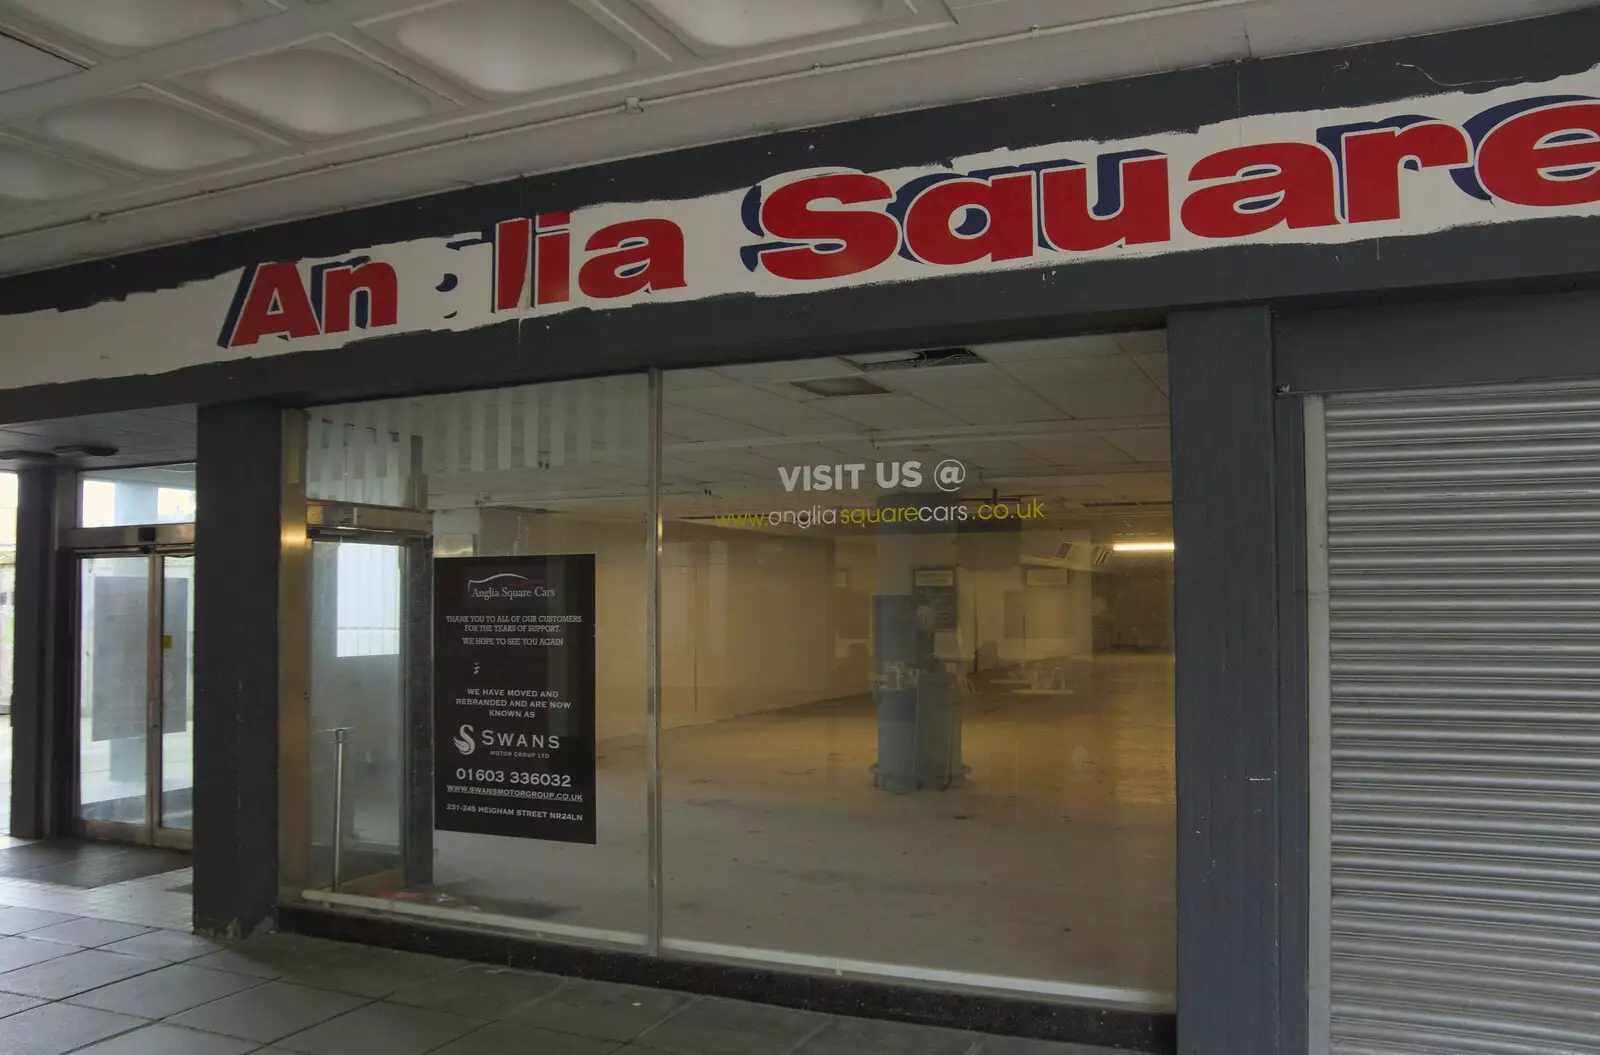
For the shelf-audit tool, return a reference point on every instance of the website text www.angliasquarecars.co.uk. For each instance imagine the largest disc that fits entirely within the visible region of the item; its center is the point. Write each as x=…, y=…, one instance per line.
x=874, y=516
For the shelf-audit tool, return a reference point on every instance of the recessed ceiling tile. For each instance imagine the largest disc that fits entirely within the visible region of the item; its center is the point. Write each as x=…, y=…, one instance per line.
x=511, y=47
x=148, y=132
x=314, y=92
x=28, y=175
x=748, y=23
x=136, y=23
x=22, y=64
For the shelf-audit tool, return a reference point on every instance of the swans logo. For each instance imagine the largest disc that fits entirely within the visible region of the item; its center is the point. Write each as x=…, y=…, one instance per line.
x=464, y=742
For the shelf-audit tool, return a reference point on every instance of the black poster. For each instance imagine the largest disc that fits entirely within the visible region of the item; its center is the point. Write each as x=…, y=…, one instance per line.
x=514, y=699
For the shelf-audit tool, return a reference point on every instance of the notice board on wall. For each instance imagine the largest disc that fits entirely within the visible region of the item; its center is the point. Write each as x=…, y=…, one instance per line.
x=514, y=696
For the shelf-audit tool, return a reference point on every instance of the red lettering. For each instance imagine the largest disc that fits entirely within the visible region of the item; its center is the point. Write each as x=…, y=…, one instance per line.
x=1145, y=215
x=634, y=256
x=511, y=248
x=1522, y=162
x=1006, y=205
x=552, y=259
x=275, y=303
x=1373, y=159
x=340, y=286
x=842, y=241
x=1271, y=184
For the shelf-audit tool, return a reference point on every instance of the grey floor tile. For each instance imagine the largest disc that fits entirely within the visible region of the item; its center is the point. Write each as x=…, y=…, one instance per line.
x=509, y=1038
x=161, y=1039
x=267, y=1013
x=860, y=1036
x=23, y=952
x=57, y=1028
x=602, y=1010
x=272, y=955
x=1023, y=1046
x=174, y=946
x=11, y=1003
x=477, y=991
x=77, y=972
x=372, y=972
x=88, y=933
x=382, y=1029
x=21, y=920
x=730, y=1027
x=166, y=991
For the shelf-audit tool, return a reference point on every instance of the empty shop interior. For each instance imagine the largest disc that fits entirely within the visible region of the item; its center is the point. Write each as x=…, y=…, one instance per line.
x=940, y=750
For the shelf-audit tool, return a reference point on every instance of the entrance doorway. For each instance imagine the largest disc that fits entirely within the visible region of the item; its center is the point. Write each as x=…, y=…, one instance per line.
x=135, y=696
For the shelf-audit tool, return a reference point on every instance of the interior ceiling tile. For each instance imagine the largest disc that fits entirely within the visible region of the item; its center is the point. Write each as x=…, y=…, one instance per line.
x=886, y=413
x=720, y=397
x=793, y=420
x=1040, y=374
x=747, y=23
x=995, y=406
x=22, y=63
x=1144, y=445
x=697, y=425
x=30, y=175
x=1081, y=449
x=136, y=23
x=510, y=47
x=314, y=91
x=1108, y=399
x=802, y=370
x=147, y=132
x=1142, y=342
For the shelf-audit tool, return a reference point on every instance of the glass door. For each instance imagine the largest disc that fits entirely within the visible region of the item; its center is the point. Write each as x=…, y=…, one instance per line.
x=136, y=697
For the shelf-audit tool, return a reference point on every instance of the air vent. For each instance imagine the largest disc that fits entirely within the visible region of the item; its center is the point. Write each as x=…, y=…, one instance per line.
x=832, y=387
x=883, y=361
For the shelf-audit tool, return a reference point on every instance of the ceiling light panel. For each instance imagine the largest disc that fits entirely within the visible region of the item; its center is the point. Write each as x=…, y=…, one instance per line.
x=28, y=175
x=509, y=47
x=318, y=89
x=718, y=24
x=137, y=24
x=149, y=132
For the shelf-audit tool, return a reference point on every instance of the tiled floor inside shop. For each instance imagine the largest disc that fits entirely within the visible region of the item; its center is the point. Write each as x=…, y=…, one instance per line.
x=96, y=959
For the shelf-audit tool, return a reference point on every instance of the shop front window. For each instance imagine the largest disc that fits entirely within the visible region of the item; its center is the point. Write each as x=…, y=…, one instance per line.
x=162, y=494
x=914, y=695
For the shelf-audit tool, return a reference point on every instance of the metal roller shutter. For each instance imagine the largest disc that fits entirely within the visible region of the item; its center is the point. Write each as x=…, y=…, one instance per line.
x=1463, y=720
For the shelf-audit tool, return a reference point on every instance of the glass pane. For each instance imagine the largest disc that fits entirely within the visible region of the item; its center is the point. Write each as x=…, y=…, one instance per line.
x=540, y=470
x=162, y=494
x=358, y=685
x=917, y=666
x=177, y=693
x=113, y=687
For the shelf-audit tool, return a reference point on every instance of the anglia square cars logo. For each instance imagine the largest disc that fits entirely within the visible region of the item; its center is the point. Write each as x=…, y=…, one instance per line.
x=507, y=586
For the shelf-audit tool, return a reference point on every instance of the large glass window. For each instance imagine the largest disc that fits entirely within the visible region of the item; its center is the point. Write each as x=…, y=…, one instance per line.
x=915, y=695
x=8, y=590
x=918, y=698
x=540, y=470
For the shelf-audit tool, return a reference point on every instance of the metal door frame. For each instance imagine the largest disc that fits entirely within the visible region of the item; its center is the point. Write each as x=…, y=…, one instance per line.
x=410, y=531
x=154, y=543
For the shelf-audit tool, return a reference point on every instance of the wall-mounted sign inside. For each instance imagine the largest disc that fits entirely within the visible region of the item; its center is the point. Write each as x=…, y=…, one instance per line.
x=513, y=714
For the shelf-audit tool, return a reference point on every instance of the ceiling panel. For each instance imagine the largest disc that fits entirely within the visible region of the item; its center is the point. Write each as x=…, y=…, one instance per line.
x=519, y=86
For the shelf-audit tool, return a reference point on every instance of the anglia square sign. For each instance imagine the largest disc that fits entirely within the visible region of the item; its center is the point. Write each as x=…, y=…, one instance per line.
x=1394, y=170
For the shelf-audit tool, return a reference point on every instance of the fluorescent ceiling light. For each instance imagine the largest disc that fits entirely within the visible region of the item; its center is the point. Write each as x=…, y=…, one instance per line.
x=1141, y=547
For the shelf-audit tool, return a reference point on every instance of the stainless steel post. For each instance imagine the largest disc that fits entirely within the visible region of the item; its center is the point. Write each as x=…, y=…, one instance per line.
x=340, y=738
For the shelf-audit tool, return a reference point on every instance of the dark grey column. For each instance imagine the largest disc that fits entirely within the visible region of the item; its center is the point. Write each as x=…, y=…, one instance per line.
x=239, y=545
x=1226, y=490
x=41, y=703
